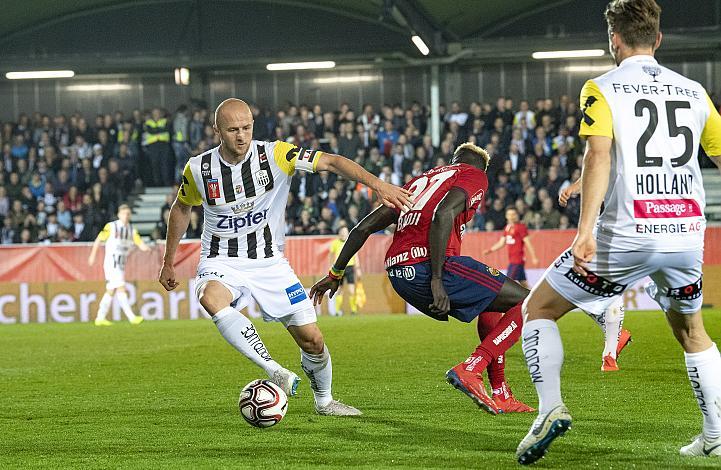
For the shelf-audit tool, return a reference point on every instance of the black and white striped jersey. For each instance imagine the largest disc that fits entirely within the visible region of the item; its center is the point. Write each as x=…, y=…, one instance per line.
x=119, y=239
x=244, y=204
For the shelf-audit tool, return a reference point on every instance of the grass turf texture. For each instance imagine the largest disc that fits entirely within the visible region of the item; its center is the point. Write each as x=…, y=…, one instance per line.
x=164, y=395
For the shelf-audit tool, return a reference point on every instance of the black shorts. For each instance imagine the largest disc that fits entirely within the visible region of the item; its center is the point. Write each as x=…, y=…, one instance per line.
x=348, y=275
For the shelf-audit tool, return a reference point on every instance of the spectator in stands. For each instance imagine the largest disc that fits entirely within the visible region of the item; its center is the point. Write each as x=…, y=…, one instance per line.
x=195, y=227
x=550, y=217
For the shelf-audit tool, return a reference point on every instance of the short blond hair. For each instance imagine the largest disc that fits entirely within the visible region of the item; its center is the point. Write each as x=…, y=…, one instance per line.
x=122, y=207
x=469, y=147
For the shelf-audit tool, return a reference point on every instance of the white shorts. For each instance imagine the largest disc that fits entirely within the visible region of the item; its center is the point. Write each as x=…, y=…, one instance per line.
x=114, y=276
x=677, y=275
x=271, y=282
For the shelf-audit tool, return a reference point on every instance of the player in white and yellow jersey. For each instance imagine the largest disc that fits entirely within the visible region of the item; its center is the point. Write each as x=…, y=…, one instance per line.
x=120, y=237
x=644, y=124
x=243, y=186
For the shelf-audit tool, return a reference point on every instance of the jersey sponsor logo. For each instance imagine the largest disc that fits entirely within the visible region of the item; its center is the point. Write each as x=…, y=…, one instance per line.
x=476, y=198
x=213, y=188
x=586, y=118
x=399, y=258
x=652, y=70
x=595, y=284
x=666, y=208
x=206, y=166
x=419, y=252
x=262, y=178
x=292, y=153
x=662, y=89
x=210, y=273
x=296, y=293
x=262, y=158
x=243, y=207
x=668, y=227
x=238, y=189
x=689, y=292
x=228, y=222
x=409, y=219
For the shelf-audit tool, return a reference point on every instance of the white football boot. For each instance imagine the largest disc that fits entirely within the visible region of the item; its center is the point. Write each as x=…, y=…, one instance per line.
x=287, y=380
x=543, y=431
x=701, y=447
x=336, y=408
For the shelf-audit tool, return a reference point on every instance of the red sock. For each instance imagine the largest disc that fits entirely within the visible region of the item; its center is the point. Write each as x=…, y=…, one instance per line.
x=498, y=341
x=496, y=369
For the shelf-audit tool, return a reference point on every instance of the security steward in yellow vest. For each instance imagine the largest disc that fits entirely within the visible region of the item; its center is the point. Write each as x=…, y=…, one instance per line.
x=156, y=146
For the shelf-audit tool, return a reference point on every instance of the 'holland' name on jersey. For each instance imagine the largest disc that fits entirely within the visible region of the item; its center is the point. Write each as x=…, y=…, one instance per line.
x=228, y=222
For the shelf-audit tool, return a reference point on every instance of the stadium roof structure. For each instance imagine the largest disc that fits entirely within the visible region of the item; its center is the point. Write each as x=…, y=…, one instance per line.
x=127, y=35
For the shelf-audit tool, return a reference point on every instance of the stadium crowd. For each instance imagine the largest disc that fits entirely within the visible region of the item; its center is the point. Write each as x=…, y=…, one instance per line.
x=62, y=177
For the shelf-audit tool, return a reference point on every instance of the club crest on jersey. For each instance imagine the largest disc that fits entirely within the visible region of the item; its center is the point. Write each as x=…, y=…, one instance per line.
x=494, y=271
x=213, y=188
x=652, y=70
x=243, y=207
x=262, y=178
x=238, y=189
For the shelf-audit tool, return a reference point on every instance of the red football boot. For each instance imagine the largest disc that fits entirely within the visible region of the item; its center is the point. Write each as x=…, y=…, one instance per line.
x=609, y=364
x=510, y=405
x=471, y=384
x=623, y=340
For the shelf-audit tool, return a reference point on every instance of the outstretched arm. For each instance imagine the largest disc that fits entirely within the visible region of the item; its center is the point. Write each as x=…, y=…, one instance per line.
x=496, y=246
x=392, y=196
x=377, y=220
x=178, y=221
x=448, y=209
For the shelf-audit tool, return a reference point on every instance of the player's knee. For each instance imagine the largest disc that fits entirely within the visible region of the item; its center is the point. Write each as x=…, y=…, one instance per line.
x=313, y=344
x=211, y=301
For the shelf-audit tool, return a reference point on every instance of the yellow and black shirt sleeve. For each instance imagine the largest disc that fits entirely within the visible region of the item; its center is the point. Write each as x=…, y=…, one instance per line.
x=104, y=233
x=188, y=193
x=290, y=158
x=597, y=118
x=711, y=135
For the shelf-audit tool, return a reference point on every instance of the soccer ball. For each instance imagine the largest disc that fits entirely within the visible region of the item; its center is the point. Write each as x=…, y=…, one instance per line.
x=262, y=403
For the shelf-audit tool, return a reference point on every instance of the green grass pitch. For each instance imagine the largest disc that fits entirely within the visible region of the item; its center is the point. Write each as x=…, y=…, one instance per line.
x=164, y=395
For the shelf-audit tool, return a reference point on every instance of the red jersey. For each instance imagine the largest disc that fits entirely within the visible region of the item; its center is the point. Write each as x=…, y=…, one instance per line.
x=515, y=233
x=410, y=240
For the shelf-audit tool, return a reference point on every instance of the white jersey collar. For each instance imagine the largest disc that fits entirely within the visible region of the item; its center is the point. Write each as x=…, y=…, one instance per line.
x=635, y=59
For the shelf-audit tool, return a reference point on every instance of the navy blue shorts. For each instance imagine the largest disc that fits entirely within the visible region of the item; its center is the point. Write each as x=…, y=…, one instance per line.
x=470, y=284
x=517, y=272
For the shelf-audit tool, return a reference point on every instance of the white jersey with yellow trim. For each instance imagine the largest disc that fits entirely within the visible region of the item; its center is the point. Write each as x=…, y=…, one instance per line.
x=244, y=204
x=119, y=239
x=657, y=119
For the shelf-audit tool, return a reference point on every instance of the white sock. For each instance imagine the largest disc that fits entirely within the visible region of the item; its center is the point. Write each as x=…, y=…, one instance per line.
x=331, y=306
x=125, y=304
x=104, y=306
x=319, y=369
x=613, y=319
x=241, y=334
x=704, y=372
x=543, y=350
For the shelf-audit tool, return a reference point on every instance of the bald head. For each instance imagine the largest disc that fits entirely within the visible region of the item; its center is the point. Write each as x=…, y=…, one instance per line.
x=232, y=109
x=234, y=125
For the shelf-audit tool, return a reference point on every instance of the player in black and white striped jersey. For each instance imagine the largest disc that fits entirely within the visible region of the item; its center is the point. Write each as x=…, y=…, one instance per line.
x=119, y=236
x=243, y=186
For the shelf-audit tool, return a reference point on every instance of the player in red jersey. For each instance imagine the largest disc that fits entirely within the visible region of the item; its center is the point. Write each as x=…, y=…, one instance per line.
x=515, y=237
x=425, y=267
